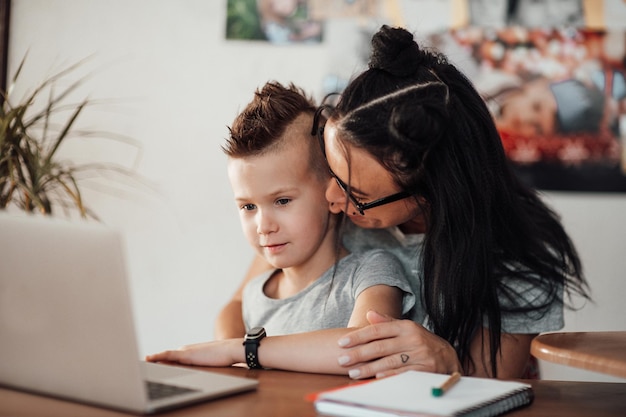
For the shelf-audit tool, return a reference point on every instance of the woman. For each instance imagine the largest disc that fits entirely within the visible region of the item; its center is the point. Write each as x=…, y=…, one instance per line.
x=494, y=258
x=420, y=169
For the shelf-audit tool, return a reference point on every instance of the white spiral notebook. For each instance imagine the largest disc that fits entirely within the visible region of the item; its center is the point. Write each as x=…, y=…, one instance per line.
x=410, y=394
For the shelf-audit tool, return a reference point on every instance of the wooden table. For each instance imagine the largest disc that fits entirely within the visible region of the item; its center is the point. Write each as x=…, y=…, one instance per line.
x=281, y=394
x=603, y=352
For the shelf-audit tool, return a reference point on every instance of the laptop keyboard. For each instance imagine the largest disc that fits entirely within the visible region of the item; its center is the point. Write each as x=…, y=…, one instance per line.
x=157, y=390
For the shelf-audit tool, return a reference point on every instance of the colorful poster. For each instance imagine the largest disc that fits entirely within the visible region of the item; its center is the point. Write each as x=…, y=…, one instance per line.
x=558, y=97
x=274, y=21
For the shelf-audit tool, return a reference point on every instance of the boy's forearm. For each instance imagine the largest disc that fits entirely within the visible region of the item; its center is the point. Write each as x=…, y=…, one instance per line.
x=315, y=352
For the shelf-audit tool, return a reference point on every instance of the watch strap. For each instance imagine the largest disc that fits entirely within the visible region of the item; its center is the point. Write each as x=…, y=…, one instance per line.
x=251, y=343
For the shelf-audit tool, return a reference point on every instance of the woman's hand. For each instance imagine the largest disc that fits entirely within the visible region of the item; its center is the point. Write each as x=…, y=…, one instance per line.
x=389, y=346
x=218, y=353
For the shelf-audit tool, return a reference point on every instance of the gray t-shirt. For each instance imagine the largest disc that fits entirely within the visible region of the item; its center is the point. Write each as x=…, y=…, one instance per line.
x=328, y=302
x=407, y=249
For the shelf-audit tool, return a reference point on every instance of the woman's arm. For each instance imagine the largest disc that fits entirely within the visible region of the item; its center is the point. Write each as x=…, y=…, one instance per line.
x=229, y=323
x=513, y=357
x=389, y=346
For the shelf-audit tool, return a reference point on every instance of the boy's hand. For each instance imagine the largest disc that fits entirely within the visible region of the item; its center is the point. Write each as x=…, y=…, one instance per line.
x=218, y=353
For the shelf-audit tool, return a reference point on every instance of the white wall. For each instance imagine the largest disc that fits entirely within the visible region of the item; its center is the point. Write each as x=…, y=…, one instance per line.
x=173, y=83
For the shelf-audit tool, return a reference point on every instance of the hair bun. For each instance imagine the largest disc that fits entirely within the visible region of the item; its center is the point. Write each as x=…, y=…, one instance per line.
x=395, y=51
x=422, y=118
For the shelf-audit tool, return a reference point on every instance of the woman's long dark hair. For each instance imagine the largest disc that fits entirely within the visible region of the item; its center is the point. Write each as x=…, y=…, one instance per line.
x=491, y=246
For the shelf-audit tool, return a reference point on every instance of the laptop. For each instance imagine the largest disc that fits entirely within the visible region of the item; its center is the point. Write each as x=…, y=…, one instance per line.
x=66, y=322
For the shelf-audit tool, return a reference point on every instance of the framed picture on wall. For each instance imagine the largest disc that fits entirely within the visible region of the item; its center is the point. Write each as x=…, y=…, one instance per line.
x=274, y=21
x=558, y=97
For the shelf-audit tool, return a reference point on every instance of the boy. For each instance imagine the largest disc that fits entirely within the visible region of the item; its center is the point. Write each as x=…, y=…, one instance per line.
x=279, y=179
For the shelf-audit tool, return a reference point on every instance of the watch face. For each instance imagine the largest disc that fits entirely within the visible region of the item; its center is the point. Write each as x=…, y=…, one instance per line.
x=255, y=333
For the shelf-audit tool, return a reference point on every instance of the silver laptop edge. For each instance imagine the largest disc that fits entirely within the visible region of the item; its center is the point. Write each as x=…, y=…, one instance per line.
x=66, y=320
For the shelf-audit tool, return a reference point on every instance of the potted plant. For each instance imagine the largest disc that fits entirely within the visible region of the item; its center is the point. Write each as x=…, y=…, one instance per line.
x=32, y=176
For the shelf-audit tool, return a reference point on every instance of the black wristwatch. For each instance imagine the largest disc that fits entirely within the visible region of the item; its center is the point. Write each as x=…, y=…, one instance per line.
x=252, y=342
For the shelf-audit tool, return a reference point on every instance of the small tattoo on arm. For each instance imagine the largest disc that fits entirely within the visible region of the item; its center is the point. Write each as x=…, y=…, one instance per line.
x=404, y=357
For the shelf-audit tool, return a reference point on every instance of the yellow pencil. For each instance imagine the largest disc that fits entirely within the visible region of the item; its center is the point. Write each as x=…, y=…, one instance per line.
x=449, y=383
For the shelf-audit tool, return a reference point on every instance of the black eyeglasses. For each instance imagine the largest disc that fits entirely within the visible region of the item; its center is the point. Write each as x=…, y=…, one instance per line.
x=361, y=207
